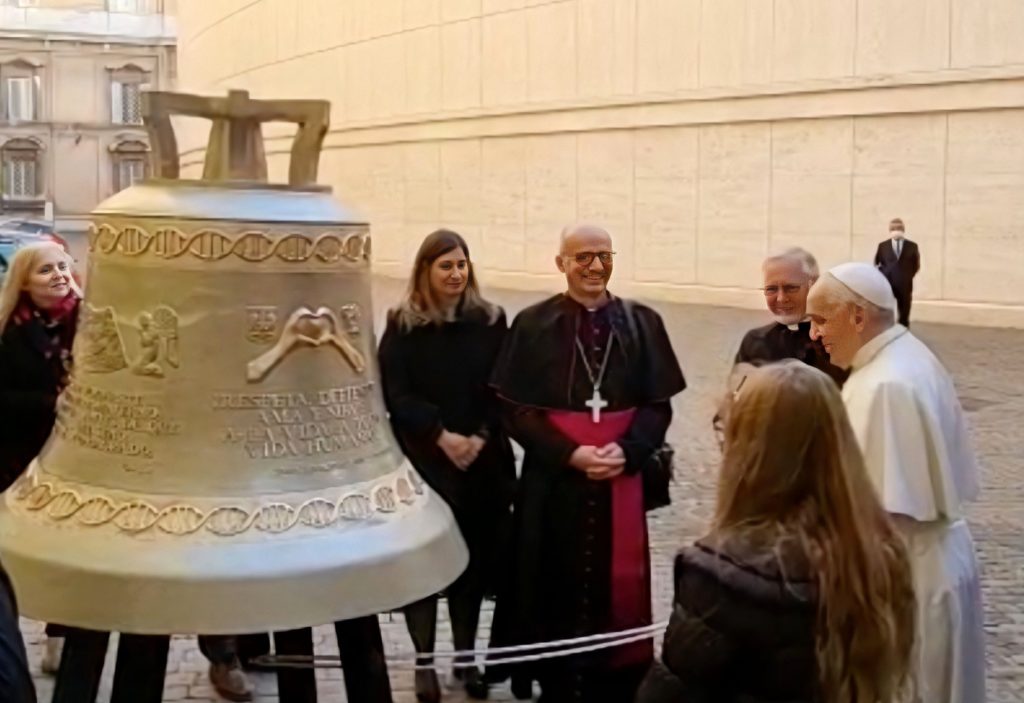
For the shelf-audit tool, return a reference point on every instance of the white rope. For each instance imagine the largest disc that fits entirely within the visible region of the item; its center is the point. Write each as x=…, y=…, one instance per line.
x=561, y=648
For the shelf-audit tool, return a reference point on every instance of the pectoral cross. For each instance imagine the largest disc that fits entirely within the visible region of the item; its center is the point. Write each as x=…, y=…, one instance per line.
x=596, y=403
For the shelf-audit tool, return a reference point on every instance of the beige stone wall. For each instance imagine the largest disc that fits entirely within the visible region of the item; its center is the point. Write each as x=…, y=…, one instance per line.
x=703, y=133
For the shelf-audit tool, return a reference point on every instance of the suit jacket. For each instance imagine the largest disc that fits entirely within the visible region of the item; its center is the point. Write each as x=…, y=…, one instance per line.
x=901, y=271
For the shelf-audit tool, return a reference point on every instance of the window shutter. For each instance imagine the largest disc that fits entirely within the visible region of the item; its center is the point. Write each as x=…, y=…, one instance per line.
x=132, y=103
x=8, y=178
x=19, y=99
x=116, y=102
x=31, y=177
x=37, y=91
x=9, y=99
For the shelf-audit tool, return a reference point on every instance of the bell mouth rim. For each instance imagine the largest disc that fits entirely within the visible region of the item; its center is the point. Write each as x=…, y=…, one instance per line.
x=239, y=184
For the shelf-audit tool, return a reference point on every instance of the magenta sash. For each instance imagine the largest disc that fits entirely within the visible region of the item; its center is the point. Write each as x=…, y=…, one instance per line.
x=630, y=567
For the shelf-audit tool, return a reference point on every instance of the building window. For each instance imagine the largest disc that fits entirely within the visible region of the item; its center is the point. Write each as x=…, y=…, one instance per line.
x=130, y=164
x=19, y=89
x=126, y=86
x=134, y=7
x=20, y=170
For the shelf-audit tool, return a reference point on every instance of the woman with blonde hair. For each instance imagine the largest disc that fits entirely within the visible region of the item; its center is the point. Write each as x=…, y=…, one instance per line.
x=38, y=316
x=802, y=589
x=436, y=357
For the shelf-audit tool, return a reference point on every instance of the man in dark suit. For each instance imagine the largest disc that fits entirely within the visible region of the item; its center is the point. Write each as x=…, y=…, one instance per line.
x=899, y=260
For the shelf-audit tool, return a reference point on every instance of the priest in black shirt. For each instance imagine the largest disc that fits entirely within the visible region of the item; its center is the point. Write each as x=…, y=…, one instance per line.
x=586, y=379
x=788, y=277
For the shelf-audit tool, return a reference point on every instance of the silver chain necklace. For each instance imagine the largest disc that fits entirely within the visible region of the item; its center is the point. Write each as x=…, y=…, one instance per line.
x=596, y=402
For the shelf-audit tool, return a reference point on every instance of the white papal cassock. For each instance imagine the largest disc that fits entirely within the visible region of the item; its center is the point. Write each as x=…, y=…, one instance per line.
x=908, y=420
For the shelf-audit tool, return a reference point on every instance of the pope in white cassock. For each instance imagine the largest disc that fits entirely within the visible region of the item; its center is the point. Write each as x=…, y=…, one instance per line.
x=910, y=426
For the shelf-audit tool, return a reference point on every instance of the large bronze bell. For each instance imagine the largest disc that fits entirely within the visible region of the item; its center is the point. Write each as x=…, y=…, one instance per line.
x=222, y=460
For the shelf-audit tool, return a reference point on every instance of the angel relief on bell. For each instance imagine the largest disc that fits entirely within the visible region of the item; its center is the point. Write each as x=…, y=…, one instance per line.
x=158, y=342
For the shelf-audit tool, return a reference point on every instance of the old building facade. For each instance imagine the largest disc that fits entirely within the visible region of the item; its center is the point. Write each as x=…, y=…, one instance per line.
x=71, y=75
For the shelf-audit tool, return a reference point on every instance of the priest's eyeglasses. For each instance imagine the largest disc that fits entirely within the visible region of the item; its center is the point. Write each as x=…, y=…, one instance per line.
x=586, y=258
x=788, y=289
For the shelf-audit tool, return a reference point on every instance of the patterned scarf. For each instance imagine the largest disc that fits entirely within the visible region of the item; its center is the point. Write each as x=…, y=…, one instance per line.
x=50, y=332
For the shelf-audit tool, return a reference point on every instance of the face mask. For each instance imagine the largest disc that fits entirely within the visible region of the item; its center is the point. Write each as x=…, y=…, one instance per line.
x=896, y=234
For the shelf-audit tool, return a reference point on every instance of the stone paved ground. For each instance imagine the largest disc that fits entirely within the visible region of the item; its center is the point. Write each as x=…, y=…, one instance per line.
x=989, y=369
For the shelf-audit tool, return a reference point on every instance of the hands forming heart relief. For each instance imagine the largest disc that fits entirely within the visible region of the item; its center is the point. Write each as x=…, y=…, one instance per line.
x=312, y=328
x=306, y=328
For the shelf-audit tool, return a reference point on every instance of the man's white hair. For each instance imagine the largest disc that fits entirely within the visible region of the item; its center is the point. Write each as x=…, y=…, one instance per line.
x=839, y=294
x=798, y=254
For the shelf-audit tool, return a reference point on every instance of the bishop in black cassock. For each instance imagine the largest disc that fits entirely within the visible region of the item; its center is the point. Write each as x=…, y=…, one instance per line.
x=582, y=375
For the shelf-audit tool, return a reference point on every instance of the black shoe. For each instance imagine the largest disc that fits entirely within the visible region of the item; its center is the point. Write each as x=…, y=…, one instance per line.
x=428, y=690
x=522, y=687
x=476, y=685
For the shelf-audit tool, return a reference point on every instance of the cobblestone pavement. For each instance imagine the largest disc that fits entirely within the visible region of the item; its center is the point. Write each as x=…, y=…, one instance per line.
x=989, y=369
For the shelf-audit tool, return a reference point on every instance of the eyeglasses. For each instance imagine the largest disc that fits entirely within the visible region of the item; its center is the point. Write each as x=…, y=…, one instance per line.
x=586, y=258
x=718, y=422
x=788, y=289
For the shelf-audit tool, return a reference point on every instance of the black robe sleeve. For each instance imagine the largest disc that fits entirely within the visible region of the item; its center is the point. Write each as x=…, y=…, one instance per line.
x=745, y=354
x=530, y=427
x=416, y=416
x=646, y=435
x=492, y=421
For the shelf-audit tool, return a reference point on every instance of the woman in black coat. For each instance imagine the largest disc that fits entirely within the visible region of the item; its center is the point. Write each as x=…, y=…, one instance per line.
x=436, y=357
x=38, y=315
x=802, y=591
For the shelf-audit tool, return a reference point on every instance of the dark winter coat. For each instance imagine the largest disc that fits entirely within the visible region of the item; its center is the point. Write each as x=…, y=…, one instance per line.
x=742, y=628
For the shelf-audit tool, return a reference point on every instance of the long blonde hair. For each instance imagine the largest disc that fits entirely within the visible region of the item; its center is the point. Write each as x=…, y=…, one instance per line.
x=791, y=463
x=419, y=306
x=18, y=271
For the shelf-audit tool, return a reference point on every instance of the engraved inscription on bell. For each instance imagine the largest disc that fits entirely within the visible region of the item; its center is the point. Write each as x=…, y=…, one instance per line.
x=350, y=314
x=112, y=422
x=302, y=425
x=262, y=323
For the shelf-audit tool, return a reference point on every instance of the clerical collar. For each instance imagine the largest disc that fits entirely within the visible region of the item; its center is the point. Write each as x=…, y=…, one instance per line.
x=794, y=328
x=608, y=299
x=870, y=350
